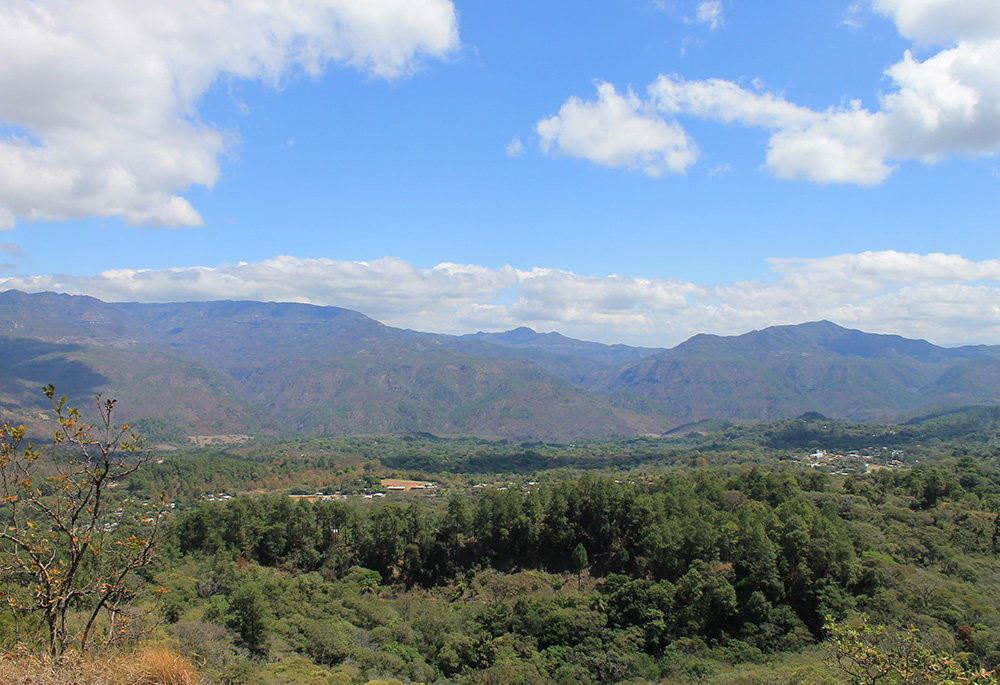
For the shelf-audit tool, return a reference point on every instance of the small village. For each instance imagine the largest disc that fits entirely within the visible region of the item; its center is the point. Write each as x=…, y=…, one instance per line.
x=853, y=462
x=388, y=485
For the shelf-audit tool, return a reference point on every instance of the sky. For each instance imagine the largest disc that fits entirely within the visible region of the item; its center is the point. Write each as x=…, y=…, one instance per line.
x=633, y=172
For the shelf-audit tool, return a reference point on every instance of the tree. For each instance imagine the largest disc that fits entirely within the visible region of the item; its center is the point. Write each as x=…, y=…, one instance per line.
x=580, y=561
x=248, y=614
x=388, y=539
x=68, y=551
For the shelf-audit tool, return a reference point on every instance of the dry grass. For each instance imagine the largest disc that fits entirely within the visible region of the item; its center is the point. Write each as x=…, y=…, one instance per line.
x=43, y=670
x=160, y=665
x=155, y=665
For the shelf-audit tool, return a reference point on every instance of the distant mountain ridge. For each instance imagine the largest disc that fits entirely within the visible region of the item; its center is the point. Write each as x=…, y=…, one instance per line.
x=828, y=337
x=285, y=368
x=557, y=343
x=784, y=371
x=281, y=369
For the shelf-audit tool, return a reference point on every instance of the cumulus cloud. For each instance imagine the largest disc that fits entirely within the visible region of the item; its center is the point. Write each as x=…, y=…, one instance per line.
x=896, y=267
x=617, y=131
x=99, y=108
x=943, y=21
x=939, y=297
x=710, y=12
x=946, y=104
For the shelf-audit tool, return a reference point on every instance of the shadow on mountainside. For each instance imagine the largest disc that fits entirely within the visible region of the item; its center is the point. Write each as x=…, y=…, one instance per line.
x=28, y=365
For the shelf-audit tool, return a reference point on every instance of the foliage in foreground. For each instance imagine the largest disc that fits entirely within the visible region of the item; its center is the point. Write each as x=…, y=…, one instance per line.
x=871, y=654
x=69, y=552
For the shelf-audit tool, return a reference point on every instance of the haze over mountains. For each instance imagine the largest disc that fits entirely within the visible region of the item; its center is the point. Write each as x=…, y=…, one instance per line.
x=282, y=369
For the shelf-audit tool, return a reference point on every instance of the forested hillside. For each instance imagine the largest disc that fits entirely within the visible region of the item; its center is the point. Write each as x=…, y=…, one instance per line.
x=686, y=575
x=721, y=557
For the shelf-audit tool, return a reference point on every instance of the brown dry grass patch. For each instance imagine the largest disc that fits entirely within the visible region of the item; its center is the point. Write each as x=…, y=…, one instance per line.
x=160, y=665
x=156, y=665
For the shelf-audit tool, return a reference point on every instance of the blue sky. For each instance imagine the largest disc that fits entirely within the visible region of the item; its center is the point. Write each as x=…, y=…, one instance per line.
x=631, y=171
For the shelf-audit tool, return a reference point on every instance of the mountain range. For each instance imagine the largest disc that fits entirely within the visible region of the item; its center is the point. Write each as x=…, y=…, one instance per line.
x=264, y=368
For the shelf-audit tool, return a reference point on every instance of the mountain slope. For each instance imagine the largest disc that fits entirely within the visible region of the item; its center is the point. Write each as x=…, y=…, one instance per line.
x=276, y=368
x=786, y=370
x=280, y=368
x=576, y=361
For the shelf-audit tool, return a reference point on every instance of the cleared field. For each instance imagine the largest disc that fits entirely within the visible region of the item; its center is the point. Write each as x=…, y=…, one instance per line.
x=396, y=484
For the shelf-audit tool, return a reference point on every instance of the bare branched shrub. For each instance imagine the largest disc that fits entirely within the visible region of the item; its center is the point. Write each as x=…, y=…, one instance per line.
x=69, y=549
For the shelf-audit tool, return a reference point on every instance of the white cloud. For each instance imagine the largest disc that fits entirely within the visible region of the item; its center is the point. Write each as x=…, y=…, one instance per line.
x=950, y=103
x=617, y=131
x=710, y=12
x=946, y=104
x=943, y=21
x=7, y=219
x=515, y=148
x=845, y=145
x=102, y=96
x=896, y=267
x=943, y=298
x=727, y=102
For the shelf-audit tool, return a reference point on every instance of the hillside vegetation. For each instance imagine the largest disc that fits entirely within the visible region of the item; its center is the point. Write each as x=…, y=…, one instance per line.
x=754, y=554
x=691, y=573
